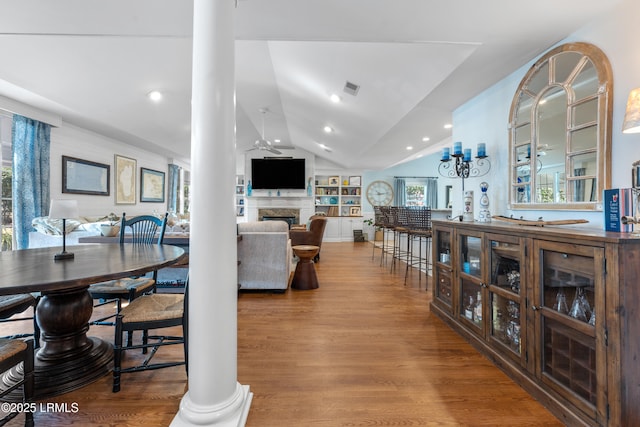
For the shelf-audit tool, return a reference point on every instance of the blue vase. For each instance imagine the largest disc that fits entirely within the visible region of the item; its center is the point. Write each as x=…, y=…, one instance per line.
x=249, y=189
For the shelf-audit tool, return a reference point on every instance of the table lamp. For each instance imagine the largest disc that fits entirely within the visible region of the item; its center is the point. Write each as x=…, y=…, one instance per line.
x=63, y=209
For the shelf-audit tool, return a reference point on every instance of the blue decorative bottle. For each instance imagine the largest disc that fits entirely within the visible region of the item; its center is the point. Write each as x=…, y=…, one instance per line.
x=309, y=189
x=249, y=189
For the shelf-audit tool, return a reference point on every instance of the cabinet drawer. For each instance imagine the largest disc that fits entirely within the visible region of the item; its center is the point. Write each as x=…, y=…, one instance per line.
x=444, y=287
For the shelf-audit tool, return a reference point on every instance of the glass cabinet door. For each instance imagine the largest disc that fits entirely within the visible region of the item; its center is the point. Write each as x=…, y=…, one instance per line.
x=443, y=289
x=571, y=285
x=470, y=255
x=442, y=240
x=506, y=323
x=471, y=303
x=472, y=298
x=508, y=327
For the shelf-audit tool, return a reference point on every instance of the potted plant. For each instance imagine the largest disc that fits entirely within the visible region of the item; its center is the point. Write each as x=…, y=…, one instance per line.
x=377, y=232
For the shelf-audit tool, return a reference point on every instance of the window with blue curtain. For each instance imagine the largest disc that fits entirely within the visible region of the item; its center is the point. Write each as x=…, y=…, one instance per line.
x=30, y=149
x=416, y=191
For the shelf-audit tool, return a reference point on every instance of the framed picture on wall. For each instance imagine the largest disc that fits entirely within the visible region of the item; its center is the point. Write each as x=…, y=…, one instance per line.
x=151, y=185
x=125, y=180
x=354, y=211
x=84, y=177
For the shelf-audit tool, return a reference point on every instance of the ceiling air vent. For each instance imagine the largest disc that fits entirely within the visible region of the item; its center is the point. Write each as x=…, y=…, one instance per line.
x=351, y=88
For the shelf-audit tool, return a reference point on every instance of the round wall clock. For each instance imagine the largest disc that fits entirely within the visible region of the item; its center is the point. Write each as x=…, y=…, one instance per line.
x=380, y=193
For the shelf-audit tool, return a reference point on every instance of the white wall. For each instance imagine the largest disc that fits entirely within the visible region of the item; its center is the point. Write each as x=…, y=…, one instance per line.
x=69, y=140
x=485, y=117
x=423, y=167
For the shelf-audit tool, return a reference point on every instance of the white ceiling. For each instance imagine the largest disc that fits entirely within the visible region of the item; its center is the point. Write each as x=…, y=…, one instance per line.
x=94, y=61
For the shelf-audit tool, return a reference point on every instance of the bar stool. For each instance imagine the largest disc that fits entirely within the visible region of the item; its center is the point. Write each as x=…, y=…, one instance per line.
x=387, y=227
x=419, y=231
x=400, y=228
x=378, y=223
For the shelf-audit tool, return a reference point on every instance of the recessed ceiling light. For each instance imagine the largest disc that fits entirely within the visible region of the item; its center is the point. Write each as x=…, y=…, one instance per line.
x=409, y=148
x=448, y=126
x=425, y=139
x=335, y=98
x=277, y=141
x=328, y=129
x=155, y=95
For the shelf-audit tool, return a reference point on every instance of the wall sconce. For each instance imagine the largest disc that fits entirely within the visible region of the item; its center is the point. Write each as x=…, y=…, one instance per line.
x=631, y=122
x=63, y=209
x=464, y=166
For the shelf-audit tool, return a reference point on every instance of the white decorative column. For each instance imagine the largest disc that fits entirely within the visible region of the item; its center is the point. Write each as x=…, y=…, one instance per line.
x=214, y=397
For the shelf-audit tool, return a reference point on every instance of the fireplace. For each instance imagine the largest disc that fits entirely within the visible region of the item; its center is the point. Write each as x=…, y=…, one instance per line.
x=290, y=216
x=288, y=219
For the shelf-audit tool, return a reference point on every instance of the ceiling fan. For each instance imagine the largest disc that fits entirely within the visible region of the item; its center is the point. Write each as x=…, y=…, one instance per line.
x=262, y=143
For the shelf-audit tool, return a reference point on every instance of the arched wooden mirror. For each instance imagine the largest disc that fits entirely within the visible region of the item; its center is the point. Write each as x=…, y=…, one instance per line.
x=560, y=131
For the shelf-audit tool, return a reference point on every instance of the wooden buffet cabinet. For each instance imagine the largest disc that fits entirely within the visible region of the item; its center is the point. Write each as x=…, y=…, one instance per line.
x=558, y=311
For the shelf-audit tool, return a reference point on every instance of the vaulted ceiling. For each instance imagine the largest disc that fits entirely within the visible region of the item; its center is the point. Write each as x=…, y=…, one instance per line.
x=93, y=62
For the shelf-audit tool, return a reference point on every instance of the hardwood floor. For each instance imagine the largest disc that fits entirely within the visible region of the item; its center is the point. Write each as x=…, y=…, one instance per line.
x=361, y=350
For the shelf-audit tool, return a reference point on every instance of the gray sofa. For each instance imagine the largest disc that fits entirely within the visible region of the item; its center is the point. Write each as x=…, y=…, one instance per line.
x=265, y=255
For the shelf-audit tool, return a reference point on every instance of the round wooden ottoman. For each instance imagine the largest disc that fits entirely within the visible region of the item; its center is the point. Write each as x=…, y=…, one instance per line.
x=305, y=277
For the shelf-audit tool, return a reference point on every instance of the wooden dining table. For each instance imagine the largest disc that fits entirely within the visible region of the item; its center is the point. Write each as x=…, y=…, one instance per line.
x=68, y=359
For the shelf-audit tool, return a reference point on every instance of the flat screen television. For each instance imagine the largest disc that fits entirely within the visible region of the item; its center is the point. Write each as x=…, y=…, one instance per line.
x=273, y=173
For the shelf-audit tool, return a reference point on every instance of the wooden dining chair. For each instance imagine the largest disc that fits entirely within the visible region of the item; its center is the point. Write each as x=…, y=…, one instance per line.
x=151, y=311
x=11, y=305
x=13, y=353
x=147, y=230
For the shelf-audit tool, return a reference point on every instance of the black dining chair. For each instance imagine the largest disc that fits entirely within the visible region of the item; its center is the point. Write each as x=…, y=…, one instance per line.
x=151, y=312
x=13, y=353
x=144, y=230
x=10, y=305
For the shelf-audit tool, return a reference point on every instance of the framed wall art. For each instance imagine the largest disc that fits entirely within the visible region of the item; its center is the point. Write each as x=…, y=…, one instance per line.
x=125, y=180
x=151, y=185
x=84, y=177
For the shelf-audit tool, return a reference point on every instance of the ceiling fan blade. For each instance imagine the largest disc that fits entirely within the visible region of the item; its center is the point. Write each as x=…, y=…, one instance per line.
x=284, y=147
x=273, y=150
